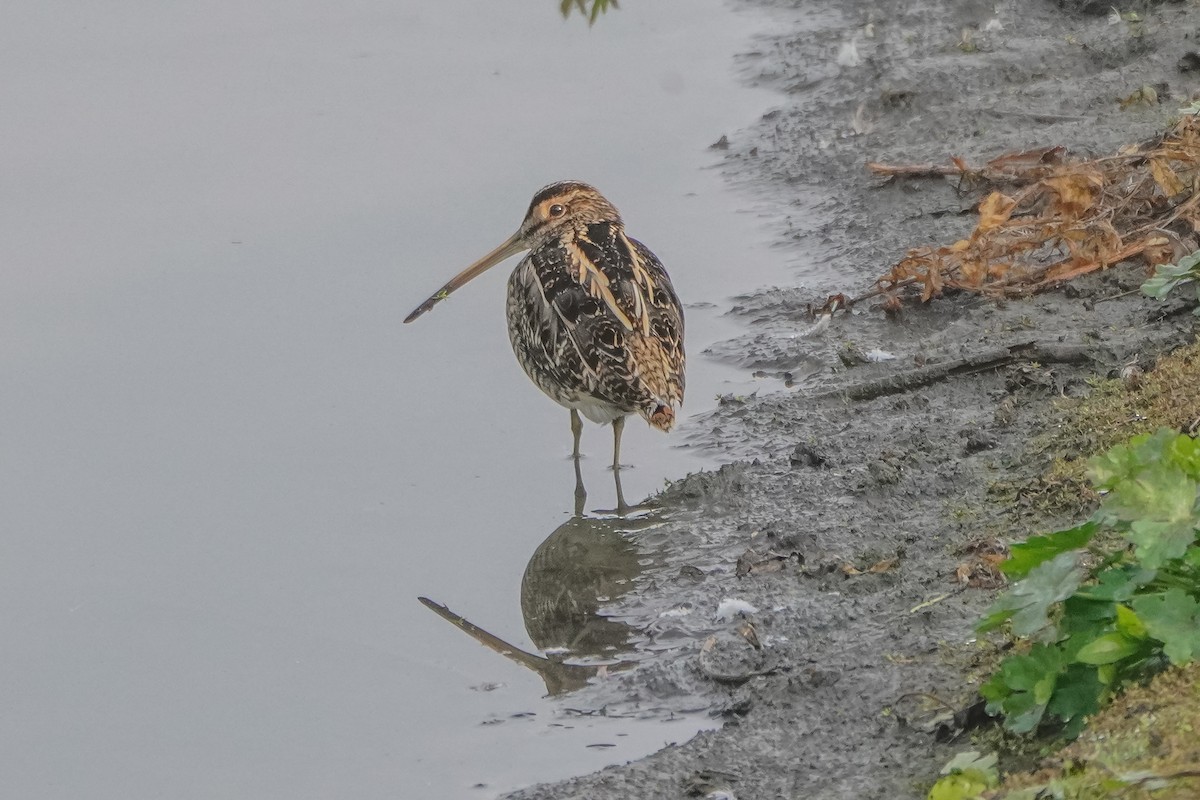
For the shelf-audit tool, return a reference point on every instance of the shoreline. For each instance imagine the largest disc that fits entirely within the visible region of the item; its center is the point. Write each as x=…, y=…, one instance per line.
x=845, y=523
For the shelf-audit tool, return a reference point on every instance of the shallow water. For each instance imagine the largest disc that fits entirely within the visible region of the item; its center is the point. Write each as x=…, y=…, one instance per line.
x=228, y=468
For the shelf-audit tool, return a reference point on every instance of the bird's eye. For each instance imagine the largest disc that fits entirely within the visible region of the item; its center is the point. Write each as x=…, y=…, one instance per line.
x=557, y=210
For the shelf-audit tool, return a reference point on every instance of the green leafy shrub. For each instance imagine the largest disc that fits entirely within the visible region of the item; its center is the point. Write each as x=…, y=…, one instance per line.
x=1109, y=601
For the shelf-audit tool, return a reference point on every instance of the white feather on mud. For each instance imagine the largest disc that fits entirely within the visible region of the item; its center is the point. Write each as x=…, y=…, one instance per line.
x=731, y=608
x=848, y=54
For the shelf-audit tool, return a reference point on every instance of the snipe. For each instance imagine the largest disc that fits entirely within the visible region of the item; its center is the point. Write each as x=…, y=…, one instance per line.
x=592, y=315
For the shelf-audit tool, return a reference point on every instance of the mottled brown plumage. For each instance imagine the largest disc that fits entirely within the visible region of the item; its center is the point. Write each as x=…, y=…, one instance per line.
x=592, y=315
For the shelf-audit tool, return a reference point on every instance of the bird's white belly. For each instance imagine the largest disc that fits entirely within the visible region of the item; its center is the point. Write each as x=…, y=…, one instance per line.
x=596, y=410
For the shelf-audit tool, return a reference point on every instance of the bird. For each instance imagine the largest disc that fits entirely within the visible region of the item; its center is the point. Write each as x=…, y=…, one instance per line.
x=592, y=315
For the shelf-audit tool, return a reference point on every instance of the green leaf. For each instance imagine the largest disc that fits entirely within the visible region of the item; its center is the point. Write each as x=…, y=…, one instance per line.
x=1029, y=600
x=995, y=691
x=959, y=786
x=1184, y=452
x=1129, y=624
x=1039, y=674
x=1107, y=674
x=1159, y=542
x=592, y=13
x=966, y=776
x=1118, y=583
x=1162, y=285
x=1158, y=491
x=1036, y=549
x=1168, y=276
x=1082, y=612
x=1172, y=618
x=1077, y=696
x=1108, y=649
x=1023, y=686
x=1023, y=713
x=1151, y=487
x=1126, y=461
x=1190, y=262
x=1082, y=621
x=1120, y=463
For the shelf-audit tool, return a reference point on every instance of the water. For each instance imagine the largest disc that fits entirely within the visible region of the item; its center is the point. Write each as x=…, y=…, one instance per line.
x=228, y=469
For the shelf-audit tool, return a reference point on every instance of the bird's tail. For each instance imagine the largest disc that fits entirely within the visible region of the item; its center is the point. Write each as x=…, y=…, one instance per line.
x=661, y=417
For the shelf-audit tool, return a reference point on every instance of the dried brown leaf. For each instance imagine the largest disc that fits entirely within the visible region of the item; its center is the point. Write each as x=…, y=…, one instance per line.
x=1160, y=250
x=1166, y=178
x=994, y=211
x=973, y=275
x=1075, y=193
x=1066, y=217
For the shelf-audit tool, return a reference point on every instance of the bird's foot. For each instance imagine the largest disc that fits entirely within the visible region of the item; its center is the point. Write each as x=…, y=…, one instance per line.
x=626, y=510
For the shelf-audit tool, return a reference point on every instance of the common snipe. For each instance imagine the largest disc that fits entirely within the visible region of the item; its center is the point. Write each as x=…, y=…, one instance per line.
x=592, y=315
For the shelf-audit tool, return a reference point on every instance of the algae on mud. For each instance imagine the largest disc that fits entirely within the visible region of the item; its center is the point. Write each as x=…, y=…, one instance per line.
x=1163, y=392
x=905, y=475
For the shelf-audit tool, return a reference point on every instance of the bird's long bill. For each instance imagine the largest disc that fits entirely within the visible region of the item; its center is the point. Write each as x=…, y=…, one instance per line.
x=511, y=247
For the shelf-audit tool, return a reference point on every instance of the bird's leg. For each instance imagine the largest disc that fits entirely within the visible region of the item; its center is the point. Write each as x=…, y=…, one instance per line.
x=622, y=507
x=576, y=431
x=618, y=426
x=580, y=491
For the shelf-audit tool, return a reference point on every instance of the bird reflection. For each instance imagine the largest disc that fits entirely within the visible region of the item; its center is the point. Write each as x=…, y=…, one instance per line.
x=586, y=563
x=558, y=676
x=623, y=509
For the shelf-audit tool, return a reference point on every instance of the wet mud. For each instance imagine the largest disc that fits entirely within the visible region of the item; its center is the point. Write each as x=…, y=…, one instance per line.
x=817, y=594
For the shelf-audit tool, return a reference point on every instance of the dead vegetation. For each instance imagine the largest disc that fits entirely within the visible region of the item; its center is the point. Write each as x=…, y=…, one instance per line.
x=1049, y=217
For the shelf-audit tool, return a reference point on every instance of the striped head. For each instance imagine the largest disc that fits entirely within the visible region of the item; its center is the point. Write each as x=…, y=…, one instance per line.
x=561, y=208
x=558, y=210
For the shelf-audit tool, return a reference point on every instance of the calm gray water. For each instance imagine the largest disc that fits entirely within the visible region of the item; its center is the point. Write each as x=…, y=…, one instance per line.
x=227, y=468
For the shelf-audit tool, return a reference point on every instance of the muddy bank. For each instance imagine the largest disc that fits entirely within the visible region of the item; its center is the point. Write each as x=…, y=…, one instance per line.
x=848, y=525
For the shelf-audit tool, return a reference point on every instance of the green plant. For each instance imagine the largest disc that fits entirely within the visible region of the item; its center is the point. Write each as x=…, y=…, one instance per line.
x=1168, y=276
x=592, y=11
x=965, y=777
x=1108, y=601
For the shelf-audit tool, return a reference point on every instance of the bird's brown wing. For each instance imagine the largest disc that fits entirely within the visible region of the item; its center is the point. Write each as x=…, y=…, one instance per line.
x=563, y=335
x=612, y=318
x=666, y=315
